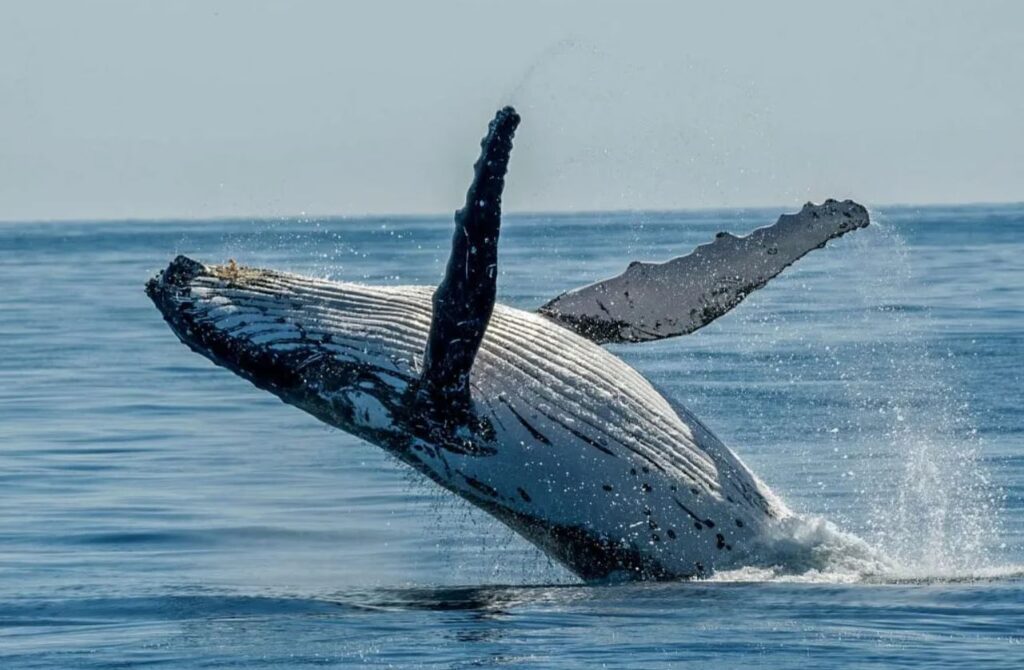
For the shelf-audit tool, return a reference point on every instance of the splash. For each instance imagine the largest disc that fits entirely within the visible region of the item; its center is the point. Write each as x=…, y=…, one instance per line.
x=925, y=507
x=936, y=511
x=811, y=549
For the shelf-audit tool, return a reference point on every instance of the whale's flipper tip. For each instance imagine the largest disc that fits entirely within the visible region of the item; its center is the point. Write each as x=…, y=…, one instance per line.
x=853, y=215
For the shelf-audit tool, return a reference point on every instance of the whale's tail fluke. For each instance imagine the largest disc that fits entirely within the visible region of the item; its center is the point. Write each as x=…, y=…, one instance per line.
x=652, y=301
x=464, y=300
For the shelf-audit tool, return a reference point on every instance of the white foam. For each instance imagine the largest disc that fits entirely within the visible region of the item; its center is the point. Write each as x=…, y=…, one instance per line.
x=813, y=550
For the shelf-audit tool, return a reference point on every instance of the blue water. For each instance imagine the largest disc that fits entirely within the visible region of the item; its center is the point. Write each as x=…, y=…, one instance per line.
x=158, y=511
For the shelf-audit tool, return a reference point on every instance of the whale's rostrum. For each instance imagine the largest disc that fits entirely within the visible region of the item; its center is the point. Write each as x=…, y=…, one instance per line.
x=522, y=414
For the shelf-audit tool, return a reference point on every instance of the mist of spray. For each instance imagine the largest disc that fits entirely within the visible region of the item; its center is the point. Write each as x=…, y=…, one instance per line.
x=934, y=510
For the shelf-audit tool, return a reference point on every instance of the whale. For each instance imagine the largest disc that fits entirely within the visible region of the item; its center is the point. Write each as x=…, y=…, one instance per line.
x=524, y=414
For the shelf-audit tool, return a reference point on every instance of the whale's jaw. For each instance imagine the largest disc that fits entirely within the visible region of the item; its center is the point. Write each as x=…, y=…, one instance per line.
x=252, y=335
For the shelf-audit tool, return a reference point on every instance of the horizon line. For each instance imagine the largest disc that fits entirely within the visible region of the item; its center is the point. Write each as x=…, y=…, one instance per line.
x=512, y=213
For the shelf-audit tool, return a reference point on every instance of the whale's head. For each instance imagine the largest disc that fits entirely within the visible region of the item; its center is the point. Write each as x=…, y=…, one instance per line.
x=346, y=353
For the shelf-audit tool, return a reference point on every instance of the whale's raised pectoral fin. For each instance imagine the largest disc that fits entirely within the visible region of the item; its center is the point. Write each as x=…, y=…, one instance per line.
x=463, y=302
x=652, y=301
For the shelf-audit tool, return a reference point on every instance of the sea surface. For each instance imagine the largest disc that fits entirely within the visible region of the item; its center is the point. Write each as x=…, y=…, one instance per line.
x=158, y=511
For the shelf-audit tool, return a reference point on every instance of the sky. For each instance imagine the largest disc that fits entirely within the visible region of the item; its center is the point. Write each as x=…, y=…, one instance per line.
x=222, y=108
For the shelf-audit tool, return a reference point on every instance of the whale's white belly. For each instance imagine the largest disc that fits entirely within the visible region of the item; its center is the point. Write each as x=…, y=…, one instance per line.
x=581, y=440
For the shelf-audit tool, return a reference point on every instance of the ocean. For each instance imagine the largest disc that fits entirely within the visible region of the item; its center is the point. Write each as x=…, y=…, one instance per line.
x=158, y=511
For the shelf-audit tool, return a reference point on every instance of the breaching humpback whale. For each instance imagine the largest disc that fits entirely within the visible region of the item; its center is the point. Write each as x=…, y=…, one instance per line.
x=522, y=414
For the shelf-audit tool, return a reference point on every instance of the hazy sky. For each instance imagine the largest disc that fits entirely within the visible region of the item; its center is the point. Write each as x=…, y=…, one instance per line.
x=222, y=108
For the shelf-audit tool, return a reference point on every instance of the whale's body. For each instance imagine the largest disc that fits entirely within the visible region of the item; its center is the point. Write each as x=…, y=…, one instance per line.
x=520, y=413
x=582, y=455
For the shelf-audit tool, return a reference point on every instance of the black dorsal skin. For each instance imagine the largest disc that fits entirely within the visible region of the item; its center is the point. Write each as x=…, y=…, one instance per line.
x=463, y=302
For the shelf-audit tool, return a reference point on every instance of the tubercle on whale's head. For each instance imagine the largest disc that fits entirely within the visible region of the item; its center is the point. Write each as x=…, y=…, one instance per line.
x=283, y=334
